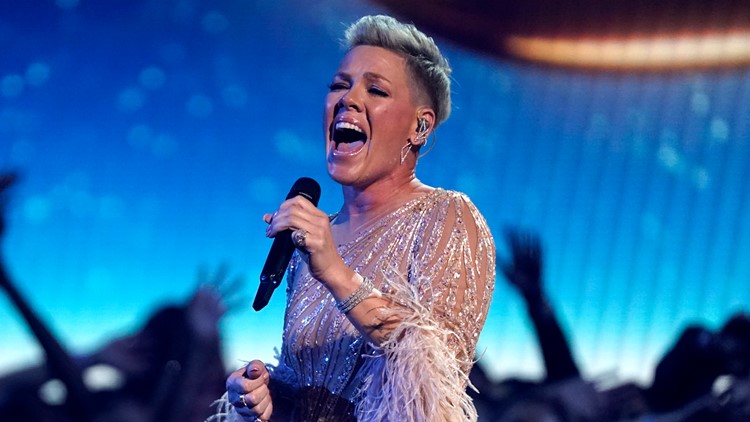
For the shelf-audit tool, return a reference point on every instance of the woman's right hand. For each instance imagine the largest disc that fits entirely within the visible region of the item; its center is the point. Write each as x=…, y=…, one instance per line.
x=247, y=391
x=319, y=250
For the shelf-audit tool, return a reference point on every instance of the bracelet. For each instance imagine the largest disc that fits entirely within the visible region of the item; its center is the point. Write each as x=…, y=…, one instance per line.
x=357, y=297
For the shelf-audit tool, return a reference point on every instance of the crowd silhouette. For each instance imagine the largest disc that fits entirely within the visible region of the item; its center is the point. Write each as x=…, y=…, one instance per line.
x=171, y=368
x=704, y=376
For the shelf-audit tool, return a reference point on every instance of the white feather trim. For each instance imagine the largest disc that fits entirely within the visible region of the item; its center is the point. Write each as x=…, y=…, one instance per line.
x=224, y=411
x=415, y=376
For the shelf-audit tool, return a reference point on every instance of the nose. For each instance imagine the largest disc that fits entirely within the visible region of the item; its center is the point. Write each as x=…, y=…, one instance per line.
x=350, y=99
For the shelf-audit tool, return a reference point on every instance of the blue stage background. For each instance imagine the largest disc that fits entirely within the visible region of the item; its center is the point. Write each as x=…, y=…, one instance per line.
x=151, y=136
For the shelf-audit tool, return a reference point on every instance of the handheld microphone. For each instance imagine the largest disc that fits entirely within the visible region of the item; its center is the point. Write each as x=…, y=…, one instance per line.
x=282, y=247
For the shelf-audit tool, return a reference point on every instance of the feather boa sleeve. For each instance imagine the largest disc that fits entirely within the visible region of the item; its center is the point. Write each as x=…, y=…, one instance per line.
x=415, y=375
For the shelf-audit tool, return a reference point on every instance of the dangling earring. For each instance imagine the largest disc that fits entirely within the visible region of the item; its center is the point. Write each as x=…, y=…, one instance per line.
x=423, y=128
x=432, y=144
x=405, y=151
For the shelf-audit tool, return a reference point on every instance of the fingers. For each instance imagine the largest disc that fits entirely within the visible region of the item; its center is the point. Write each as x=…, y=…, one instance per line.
x=256, y=369
x=314, y=239
x=255, y=402
x=293, y=214
x=523, y=244
x=248, y=392
x=233, y=295
x=247, y=379
x=524, y=265
x=290, y=215
x=264, y=410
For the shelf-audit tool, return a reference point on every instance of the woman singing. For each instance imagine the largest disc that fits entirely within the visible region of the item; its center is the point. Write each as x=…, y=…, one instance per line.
x=387, y=297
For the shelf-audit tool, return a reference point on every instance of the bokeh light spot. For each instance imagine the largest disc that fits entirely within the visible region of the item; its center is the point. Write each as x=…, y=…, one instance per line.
x=37, y=209
x=12, y=86
x=53, y=392
x=292, y=147
x=700, y=103
x=152, y=78
x=200, y=106
x=234, y=96
x=37, y=73
x=719, y=130
x=669, y=157
x=701, y=178
x=131, y=99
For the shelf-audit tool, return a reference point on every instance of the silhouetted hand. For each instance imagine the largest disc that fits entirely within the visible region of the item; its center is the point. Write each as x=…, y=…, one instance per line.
x=524, y=269
x=212, y=299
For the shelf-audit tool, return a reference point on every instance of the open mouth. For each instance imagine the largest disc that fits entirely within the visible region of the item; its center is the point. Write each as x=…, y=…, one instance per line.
x=347, y=138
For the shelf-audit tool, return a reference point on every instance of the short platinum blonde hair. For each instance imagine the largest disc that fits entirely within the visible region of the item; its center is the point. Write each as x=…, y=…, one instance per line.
x=430, y=70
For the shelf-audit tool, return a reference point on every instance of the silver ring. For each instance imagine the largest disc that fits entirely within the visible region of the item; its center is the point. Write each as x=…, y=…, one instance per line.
x=242, y=399
x=298, y=238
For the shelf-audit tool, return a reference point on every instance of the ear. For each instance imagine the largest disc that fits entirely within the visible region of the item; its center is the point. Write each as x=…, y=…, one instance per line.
x=424, y=126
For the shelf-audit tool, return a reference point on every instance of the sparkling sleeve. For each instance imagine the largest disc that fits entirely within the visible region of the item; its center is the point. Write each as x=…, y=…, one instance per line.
x=421, y=372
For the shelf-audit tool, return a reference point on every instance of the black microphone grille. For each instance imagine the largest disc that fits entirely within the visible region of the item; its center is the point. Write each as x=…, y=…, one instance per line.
x=306, y=187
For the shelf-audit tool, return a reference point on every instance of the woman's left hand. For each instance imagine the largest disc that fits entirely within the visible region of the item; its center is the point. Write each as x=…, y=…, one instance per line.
x=247, y=390
x=314, y=230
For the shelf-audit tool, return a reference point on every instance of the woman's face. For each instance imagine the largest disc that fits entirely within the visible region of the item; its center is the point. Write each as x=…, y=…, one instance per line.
x=369, y=116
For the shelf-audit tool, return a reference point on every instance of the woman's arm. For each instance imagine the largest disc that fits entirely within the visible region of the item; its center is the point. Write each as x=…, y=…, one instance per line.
x=437, y=312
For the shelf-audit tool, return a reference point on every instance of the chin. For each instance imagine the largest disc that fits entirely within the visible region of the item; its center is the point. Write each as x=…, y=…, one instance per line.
x=344, y=176
x=340, y=177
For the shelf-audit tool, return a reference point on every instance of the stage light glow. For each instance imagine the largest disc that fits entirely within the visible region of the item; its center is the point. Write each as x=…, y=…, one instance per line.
x=646, y=53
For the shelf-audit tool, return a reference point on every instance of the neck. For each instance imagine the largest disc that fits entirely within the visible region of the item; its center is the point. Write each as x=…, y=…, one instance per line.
x=362, y=205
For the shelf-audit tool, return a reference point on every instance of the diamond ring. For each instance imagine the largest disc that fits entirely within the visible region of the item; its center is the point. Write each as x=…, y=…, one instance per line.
x=298, y=238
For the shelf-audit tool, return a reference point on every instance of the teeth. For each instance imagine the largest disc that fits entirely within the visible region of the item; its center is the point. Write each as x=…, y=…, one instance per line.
x=346, y=125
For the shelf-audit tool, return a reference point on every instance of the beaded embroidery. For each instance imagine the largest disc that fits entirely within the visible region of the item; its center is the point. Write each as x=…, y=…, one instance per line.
x=436, y=240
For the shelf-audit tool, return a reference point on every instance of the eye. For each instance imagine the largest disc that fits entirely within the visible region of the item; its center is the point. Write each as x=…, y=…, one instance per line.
x=336, y=86
x=377, y=91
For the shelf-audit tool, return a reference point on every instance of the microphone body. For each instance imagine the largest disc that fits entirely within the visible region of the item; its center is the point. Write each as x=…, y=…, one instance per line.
x=282, y=247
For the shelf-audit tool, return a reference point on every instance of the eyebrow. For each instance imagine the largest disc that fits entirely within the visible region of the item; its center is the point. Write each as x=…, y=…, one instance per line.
x=370, y=76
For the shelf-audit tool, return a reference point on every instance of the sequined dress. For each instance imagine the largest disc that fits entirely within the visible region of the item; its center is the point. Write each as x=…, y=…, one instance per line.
x=435, y=257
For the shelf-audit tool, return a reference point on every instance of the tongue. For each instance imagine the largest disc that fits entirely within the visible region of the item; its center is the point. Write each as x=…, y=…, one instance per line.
x=350, y=146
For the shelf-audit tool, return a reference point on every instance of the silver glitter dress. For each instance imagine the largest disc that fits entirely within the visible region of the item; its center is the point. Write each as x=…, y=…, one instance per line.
x=434, y=253
x=434, y=257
